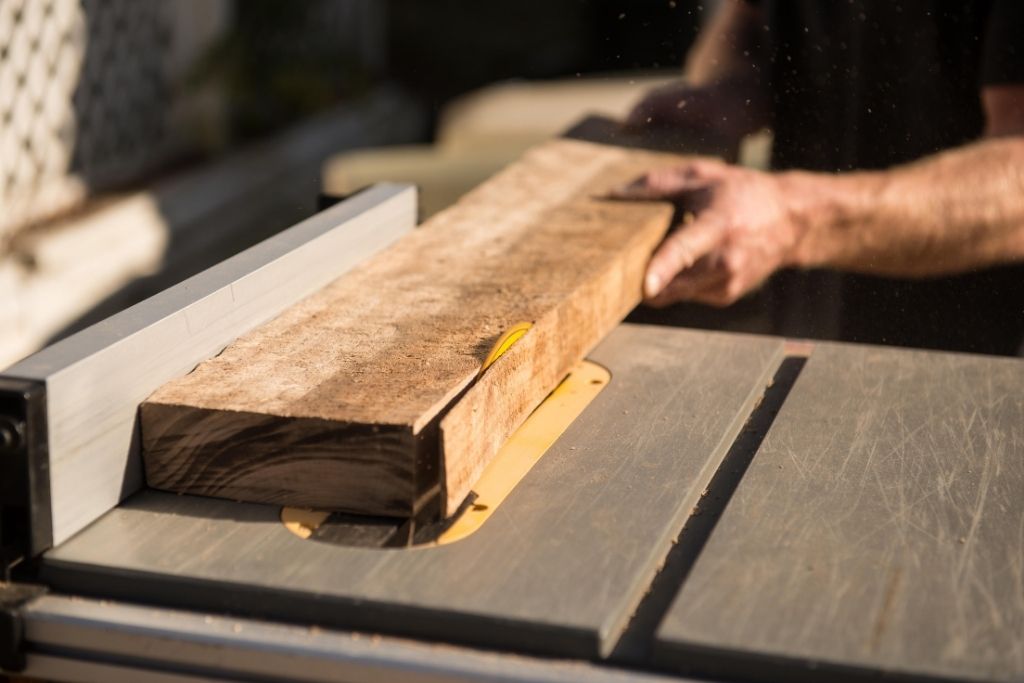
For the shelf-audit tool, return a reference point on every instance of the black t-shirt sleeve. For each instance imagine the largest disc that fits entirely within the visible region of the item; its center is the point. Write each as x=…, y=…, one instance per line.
x=1003, y=56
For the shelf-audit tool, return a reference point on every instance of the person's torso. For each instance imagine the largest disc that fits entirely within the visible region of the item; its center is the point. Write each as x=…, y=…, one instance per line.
x=868, y=84
x=864, y=84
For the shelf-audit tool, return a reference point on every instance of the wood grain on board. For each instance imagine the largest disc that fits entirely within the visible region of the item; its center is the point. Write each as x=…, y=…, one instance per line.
x=338, y=403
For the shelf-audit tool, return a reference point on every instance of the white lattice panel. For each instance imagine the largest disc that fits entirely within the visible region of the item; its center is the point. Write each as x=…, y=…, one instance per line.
x=42, y=43
x=92, y=96
x=82, y=100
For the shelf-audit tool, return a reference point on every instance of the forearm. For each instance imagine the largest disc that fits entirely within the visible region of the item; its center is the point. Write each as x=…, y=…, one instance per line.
x=723, y=72
x=957, y=211
x=727, y=49
x=721, y=94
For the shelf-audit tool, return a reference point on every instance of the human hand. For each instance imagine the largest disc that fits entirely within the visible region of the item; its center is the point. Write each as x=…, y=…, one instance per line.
x=665, y=105
x=738, y=227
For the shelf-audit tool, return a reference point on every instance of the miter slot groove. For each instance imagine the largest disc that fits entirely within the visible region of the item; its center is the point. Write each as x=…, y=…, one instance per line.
x=635, y=644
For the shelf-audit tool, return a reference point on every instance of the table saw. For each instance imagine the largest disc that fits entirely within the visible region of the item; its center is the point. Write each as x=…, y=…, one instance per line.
x=719, y=507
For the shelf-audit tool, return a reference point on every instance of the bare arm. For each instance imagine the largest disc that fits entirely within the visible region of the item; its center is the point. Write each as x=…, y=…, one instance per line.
x=727, y=48
x=959, y=210
x=953, y=212
x=721, y=89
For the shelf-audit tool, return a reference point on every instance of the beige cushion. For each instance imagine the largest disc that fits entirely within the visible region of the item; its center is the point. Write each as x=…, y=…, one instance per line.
x=526, y=112
x=482, y=132
x=441, y=178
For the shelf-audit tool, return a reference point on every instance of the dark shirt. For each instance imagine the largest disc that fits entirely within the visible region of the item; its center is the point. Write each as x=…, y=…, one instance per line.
x=868, y=84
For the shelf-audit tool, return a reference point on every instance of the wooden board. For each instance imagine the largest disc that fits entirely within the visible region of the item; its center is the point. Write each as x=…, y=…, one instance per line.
x=879, y=529
x=558, y=568
x=336, y=403
x=95, y=379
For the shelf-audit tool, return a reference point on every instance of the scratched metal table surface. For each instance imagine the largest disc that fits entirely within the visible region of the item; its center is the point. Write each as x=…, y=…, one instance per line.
x=880, y=528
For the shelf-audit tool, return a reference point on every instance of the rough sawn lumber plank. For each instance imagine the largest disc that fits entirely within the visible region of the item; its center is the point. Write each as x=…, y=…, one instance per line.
x=337, y=403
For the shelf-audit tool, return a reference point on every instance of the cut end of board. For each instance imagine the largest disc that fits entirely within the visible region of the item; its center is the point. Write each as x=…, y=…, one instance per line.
x=265, y=458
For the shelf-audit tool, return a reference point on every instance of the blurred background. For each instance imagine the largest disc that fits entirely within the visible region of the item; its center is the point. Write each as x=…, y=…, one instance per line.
x=142, y=141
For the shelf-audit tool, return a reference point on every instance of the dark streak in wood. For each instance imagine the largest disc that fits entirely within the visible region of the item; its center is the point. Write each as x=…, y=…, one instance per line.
x=237, y=464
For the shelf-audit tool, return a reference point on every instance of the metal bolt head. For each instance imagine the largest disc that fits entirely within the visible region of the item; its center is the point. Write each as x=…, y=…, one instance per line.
x=12, y=433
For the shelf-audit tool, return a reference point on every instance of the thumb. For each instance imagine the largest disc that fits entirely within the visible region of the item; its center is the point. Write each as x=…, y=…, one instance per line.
x=680, y=250
x=671, y=181
x=639, y=116
x=662, y=183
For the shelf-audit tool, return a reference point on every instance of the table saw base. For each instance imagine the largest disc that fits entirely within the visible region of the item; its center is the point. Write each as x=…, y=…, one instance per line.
x=558, y=569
